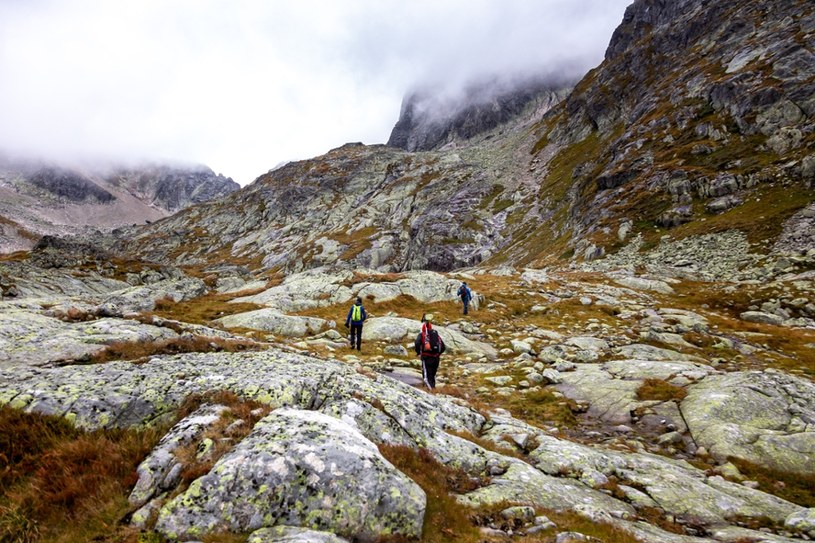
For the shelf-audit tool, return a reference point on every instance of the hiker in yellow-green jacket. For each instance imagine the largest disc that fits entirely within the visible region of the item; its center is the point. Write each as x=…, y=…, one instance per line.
x=356, y=316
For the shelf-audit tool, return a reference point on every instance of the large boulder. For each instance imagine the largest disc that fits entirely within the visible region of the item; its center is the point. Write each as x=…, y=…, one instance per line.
x=28, y=338
x=270, y=320
x=765, y=417
x=306, y=290
x=321, y=287
x=161, y=470
x=144, y=298
x=395, y=329
x=300, y=468
x=645, y=480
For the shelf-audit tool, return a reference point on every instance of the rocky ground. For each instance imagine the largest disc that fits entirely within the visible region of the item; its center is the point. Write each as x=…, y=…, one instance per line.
x=666, y=403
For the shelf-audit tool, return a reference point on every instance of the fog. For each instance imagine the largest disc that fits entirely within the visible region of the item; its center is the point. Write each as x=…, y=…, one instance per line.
x=243, y=86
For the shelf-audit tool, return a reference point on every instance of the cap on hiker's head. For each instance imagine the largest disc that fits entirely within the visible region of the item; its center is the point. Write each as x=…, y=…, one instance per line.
x=359, y=300
x=428, y=317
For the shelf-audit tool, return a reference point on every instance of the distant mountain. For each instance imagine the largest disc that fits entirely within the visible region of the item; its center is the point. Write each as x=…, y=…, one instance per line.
x=38, y=198
x=431, y=118
x=698, y=122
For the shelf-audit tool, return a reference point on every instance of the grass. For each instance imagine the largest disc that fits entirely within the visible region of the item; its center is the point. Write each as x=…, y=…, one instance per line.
x=204, y=309
x=794, y=487
x=447, y=520
x=64, y=485
x=660, y=390
x=140, y=350
x=761, y=216
x=60, y=484
x=356, y=242
x=195, y=465
x=538, y=407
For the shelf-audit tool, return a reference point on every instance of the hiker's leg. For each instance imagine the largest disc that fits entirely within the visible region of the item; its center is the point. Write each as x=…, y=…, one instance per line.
x=424, y=371
x=432, y=368
x=359, y=337
x=356, y=335
x=466, y=304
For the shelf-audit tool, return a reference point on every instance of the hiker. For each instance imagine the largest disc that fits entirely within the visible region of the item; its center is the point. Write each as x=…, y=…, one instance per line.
x=356, y=316
x=429, y=346
x=465, y=294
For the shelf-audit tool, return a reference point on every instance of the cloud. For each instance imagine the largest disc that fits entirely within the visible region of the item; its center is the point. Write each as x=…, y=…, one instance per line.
x=242, y=86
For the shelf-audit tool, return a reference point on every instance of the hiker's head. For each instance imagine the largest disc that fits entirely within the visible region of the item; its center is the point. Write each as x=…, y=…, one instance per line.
x=359, y=301
x=464, y=283
x=428, y=317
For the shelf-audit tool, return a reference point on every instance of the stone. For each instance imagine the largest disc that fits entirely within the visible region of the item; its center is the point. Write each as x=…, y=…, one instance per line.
x=802, y=522
x=523, y=513
x=270, y=320
x=640, y=283
x=160, y=471
x=552, y=376
x=393, y=329
x=396, y=350
x=761, y=317
x=757, y=416
x=287, y=456
x=292, y=534
x=520, y=346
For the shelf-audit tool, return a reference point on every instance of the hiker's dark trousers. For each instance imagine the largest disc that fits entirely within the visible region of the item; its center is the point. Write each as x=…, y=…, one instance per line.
x=356, y=332
x=466, y=305
x=430, y=365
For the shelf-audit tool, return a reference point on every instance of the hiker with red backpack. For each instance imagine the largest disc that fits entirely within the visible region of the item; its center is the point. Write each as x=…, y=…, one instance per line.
x=429, y=346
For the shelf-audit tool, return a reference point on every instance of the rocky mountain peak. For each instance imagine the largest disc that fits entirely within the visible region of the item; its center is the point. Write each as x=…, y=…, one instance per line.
x=432, y=118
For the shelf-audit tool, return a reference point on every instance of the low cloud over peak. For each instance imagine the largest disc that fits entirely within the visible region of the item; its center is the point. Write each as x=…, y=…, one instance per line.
x=242, y=87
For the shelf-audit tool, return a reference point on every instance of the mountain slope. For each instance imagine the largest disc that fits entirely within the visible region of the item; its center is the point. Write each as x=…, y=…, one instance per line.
x=40, y=199
x=697, y=122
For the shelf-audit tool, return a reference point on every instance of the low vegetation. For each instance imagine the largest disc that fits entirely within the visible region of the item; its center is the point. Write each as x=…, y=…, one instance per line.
x=660, y=390
x=447, y=520
x=794, y=487
x=204, y=309
x=60, y=484
x=141, y=350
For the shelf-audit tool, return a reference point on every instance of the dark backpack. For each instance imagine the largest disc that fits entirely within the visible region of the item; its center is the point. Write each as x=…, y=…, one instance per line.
x=432, y=343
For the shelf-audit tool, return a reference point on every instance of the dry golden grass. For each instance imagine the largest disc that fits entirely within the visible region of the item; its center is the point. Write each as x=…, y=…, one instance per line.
x=140, y=350
x=60, y=484
x=540, y=407
x=239, y=409
x=63, y=485
x=17, y=256
x=794, y=487
x=446, y=520
x=204, y=309
x=660, y=390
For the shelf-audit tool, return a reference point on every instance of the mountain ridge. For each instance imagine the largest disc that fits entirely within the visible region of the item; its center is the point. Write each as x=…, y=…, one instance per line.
x=47, y=199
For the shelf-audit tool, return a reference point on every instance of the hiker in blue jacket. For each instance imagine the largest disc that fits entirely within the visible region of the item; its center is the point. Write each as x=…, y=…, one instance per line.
x=356, y=316
x=465, y=294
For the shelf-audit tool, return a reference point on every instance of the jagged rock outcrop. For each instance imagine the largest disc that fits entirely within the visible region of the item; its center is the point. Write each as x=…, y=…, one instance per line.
x=709, y=101
x=431, y=118
x=696, y=122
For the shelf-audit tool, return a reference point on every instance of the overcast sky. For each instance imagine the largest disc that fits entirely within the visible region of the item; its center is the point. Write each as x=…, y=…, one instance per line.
x=243, y=85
